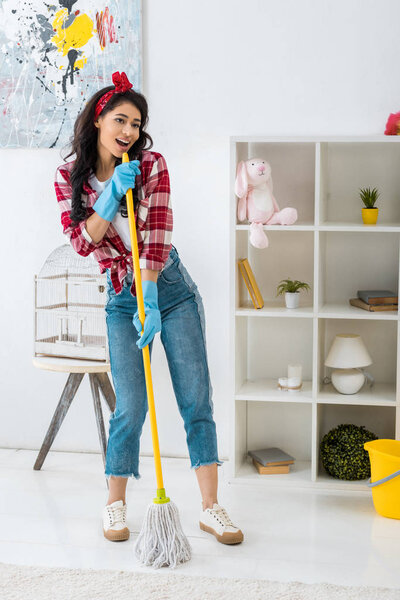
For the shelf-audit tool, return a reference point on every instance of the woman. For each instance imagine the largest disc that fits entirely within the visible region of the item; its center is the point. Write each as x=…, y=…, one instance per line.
x=91, y=195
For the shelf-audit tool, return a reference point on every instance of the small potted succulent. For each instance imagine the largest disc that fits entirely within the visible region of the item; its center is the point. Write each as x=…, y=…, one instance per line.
x=291, y=290
x=369, y=212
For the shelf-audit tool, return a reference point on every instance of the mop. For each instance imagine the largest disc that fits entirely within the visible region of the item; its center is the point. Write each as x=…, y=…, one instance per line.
x=161, y=541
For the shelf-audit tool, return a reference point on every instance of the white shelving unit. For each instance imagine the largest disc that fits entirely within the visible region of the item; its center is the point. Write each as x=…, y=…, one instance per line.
x=330, y=248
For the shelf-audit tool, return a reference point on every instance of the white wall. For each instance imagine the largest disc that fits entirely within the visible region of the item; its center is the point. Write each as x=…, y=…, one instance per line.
x=211, y=70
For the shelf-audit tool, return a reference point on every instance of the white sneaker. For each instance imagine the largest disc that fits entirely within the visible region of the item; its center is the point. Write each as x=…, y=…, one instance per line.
x=216, y=520
x=114, y=522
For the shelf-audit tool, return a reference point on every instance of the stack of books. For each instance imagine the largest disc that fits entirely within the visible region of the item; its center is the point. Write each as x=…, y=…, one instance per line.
x=250, y=282
x=375, y=300
x=269, y=461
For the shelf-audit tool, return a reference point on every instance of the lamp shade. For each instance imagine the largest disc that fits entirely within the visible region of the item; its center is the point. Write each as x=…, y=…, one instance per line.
x=348, y=352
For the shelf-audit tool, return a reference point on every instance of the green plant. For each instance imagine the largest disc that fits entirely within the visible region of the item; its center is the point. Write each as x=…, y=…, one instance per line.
x=288, y=285
x=342, y=452
x=369, y=197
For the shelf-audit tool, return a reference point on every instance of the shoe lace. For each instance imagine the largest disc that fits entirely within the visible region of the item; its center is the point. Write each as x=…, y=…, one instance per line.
x=117, y=513
x=222, y=516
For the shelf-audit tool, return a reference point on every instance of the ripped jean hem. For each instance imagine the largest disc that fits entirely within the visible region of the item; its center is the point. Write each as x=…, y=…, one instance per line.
x=204, y=464
x=108, y=475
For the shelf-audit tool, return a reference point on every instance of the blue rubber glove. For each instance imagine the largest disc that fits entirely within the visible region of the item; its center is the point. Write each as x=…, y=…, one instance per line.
x=123, y=178
x=152, y=320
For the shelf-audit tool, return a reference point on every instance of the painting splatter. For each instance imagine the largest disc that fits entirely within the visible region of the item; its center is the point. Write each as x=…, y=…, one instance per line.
x=105, y=24
x=54, y=56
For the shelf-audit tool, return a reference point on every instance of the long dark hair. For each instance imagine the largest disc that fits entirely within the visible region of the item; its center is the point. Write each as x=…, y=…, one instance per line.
x=84, y=145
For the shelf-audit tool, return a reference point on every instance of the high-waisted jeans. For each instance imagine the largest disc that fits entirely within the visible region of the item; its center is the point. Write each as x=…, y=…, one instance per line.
x=183, y=338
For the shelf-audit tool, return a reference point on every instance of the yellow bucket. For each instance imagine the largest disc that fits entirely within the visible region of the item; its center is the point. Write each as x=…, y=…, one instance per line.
x=384, y=456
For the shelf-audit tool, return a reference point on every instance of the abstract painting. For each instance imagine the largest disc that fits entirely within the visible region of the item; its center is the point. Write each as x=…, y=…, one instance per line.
x=54, y=56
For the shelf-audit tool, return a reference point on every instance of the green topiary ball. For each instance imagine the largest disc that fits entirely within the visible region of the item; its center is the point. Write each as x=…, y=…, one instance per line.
x=342, y=452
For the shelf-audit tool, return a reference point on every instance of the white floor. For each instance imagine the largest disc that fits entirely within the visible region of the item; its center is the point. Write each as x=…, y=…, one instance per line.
x=52, y=517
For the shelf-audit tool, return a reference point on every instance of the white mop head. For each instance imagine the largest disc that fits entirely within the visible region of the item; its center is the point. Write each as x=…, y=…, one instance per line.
x=161, y=541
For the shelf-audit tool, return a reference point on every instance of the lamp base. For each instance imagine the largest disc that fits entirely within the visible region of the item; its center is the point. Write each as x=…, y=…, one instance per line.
x=347, y=381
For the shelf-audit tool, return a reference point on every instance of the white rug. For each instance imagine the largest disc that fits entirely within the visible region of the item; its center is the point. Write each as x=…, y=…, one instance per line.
x=45, y=583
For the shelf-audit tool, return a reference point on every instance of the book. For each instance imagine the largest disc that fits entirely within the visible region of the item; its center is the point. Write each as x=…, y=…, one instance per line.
x=377, y=296
x=269, y=457
x=250, y=281
x=270, y=470
x=372, y=307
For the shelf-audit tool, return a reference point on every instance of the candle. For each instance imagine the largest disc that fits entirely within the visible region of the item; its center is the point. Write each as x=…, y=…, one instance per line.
x=294, y=371
x=294, y=384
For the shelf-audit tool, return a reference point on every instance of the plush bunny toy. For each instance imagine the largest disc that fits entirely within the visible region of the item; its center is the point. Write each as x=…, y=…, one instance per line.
x=253, y=186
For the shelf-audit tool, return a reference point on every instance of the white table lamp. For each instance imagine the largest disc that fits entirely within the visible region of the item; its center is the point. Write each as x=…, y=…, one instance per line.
x=348, y=355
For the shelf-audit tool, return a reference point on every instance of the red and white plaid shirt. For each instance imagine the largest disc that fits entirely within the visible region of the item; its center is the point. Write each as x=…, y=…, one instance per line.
x=153, y=221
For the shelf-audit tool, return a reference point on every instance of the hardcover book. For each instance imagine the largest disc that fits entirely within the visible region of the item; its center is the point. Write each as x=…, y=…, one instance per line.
x=378, y=296
x=271, y=456
x=276, y=470
x=250, y=281
x=372, y=307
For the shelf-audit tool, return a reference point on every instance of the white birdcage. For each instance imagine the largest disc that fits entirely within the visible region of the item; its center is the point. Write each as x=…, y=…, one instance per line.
x=70, y=295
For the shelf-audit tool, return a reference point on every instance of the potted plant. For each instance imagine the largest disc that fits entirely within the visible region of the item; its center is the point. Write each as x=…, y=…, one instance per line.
x=291, y=290
x=370, y=212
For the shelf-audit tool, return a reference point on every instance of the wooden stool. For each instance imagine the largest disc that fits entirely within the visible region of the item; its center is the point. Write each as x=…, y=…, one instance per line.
x=97, y=372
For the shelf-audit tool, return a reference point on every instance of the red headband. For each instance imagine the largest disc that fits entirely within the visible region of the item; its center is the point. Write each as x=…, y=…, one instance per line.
x=122, y=84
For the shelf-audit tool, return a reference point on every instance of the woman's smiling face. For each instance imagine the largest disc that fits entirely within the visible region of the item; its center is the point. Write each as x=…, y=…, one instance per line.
x=118, y=129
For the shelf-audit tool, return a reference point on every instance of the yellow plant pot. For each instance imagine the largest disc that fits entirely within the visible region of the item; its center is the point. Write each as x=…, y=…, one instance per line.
x=370, y=215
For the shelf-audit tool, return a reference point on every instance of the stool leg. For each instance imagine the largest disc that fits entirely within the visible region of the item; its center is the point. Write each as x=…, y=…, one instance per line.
x=106, y=389
x=68, y=394
x=99, y=415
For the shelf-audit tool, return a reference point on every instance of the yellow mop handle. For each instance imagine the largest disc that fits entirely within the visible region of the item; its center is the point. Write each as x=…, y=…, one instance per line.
x=146, y=352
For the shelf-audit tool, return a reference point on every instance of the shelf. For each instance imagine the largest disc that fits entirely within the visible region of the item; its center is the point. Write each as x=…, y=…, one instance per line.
x=385, y=139
x=300, y=473
x=379, y=228
x=299, y=226
x=271, y=309
x=265, y=390
x=381, y=394
x=327, y=311
x=341, y=311
x=299, y=476
x=330, y=226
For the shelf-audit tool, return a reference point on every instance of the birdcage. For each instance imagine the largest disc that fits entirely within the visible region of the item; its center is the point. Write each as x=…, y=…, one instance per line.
x=70, y=294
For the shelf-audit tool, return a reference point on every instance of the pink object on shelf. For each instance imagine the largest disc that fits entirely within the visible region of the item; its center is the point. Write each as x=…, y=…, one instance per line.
x=393, y=124
x=253, y=186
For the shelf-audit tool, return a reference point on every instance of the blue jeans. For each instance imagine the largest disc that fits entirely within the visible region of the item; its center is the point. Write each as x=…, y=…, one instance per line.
x=183, y=338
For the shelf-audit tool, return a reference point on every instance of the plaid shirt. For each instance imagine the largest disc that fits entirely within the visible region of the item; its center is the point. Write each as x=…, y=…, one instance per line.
x=153, y=218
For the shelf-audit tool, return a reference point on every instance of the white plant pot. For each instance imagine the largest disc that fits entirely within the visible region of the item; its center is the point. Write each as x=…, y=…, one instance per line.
x=292, y=299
